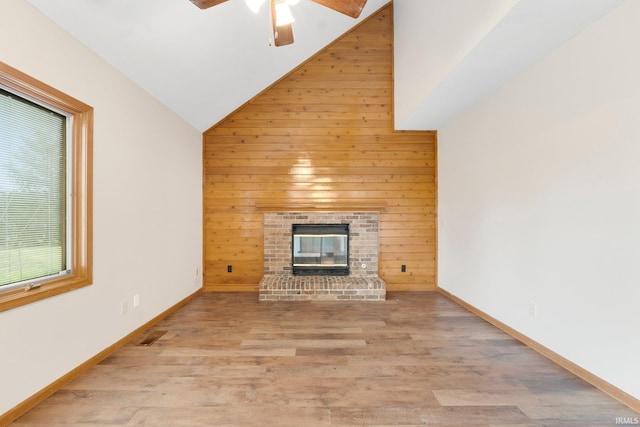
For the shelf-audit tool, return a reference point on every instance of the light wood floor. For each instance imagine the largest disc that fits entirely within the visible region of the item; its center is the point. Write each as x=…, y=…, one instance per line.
x=416, y=359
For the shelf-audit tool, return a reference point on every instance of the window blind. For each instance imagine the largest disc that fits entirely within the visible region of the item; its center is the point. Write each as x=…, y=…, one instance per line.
x=32, y=191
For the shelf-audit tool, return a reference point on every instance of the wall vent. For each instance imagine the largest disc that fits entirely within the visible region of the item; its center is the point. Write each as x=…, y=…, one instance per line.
x=152, y=338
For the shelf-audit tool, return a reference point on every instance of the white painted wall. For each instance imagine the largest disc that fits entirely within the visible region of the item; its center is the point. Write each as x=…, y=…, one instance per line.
x=147, y=211
x=539, y=201
x=431, y=38
x=450, y=55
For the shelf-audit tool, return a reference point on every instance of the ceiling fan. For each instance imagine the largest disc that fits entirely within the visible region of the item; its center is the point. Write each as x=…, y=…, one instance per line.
x=281, y=18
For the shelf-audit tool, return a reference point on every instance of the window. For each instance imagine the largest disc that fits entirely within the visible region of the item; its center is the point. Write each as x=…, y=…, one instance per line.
x=45, y=190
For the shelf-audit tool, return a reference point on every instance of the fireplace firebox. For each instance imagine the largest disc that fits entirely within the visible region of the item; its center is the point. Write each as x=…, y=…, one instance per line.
x=320, y=249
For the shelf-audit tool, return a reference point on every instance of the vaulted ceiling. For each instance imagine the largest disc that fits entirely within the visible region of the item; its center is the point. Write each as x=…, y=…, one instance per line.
x=203, y=64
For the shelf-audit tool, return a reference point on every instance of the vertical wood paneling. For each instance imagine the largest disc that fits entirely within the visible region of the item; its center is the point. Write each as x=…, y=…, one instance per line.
x=323, y=134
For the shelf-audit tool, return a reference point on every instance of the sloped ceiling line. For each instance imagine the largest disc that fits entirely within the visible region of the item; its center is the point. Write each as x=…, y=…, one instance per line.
x=204, y=64
x=508, y=36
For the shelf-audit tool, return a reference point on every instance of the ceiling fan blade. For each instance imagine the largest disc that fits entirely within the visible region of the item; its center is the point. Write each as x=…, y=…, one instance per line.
x=283, y=34
x=206, y=4
x=350, y=8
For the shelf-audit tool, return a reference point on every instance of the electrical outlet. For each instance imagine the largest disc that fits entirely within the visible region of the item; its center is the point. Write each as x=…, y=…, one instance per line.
x=136, y=301
x=124, y=308
x=533, y=309
x=403, y=268
x=229, y=269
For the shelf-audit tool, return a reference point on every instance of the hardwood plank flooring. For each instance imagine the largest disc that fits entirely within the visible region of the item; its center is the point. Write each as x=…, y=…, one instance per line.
x=416, y=359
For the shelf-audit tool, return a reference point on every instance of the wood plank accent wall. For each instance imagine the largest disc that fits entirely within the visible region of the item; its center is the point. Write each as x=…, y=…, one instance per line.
x=322, y=136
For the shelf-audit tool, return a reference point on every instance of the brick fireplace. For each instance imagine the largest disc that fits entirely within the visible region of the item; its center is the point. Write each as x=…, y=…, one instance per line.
x=362, y=282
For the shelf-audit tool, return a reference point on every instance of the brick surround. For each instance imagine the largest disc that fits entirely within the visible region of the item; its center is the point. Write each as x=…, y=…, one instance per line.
x=363, y=283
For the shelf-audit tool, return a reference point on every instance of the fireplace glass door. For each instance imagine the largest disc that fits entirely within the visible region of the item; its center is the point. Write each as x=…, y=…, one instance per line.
x=320, y=249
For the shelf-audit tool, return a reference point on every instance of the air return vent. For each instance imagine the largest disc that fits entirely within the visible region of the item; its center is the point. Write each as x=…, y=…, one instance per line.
x=152, y=338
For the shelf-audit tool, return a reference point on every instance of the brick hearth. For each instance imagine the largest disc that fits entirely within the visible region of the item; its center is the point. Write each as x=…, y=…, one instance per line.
x=282, y=287
x=362, y=283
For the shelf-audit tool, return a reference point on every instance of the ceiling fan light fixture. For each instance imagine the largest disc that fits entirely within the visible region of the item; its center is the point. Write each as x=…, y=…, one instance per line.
x=254, y=5
x=281, y=17
x=283, y=14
